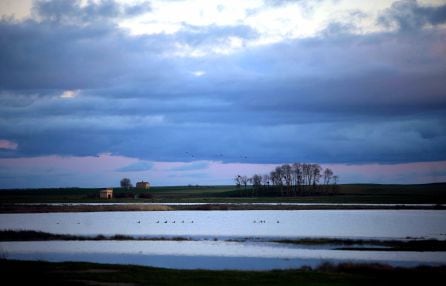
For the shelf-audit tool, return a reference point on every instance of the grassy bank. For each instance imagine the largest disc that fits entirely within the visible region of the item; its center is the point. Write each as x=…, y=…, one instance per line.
x=373, y=244
x=350, y=193
x=44, y=208
x=331, y=243
x=30, y=235
x=12, y=208
x=70, y=273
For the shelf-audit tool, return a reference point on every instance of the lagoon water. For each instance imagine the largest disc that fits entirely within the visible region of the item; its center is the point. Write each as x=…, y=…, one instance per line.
x=207, y=254
x=223, y=226
x=391, y=224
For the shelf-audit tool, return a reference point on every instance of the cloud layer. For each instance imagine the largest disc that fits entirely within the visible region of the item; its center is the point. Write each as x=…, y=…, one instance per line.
x=358, y=85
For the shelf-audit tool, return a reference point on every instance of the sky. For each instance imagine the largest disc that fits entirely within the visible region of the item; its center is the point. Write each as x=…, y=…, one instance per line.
x=195, y=92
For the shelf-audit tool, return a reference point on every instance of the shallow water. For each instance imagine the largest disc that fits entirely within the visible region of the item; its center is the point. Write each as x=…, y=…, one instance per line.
x=253, y=253
x=206, y=254
x=383, y=224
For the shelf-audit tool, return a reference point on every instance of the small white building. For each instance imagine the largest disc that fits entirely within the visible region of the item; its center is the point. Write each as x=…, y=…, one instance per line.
x=106, y=194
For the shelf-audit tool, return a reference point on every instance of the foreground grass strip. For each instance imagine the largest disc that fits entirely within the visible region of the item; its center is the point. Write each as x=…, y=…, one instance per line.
x=375, y=245
x=31, y=235
x=70, y=273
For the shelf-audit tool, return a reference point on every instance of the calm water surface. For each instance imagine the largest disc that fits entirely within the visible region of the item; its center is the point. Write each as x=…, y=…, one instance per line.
x=375, y=224
x=303, y=223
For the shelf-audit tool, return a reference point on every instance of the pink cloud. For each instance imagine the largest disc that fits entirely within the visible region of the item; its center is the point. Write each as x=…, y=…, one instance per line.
x=410, y=173
x=100, y=163
x=104, y=170
x=8, y=145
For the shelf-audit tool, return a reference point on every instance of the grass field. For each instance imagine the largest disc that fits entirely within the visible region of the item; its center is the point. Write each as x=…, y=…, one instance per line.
x=70, y=273
x=353, y=193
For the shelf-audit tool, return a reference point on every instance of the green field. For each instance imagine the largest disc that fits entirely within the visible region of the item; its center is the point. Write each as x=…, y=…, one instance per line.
x=71, y=273
x=350, y=193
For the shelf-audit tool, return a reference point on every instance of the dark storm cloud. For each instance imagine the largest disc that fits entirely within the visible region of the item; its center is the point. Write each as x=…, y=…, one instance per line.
x=71, y=11
x=388, y=141
x=42, y=56
x=409, y=15
x=338, y=97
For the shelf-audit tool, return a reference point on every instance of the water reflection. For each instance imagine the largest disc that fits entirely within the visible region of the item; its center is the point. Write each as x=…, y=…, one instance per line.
x=207, y=254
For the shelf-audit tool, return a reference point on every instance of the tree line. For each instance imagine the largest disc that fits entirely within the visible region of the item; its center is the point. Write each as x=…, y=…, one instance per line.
x=291, y=179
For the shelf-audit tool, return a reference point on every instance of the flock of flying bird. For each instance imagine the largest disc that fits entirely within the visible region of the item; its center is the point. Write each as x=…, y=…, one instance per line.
x=255, y=221
x=216, y=155
x=166, y=221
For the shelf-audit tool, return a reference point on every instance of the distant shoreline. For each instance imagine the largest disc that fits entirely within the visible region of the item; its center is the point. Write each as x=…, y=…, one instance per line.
x=407, y=244
x=102, y=207
x=359, y=196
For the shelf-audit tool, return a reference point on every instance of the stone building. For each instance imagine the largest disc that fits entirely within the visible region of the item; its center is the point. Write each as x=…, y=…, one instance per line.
x=106, y=194
x=143, y=185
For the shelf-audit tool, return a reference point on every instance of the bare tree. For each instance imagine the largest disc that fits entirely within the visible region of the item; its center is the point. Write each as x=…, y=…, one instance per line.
x=291, y=178
x=316, y=170
x=126, y=183
x=237, y=181
x=335, y=183
x=306, y=173
x=328, y=175
x=256, y=181
x=335, y=179
x=276, y=178
x=286, y=176
x=297, y=175
x=244, y=181
x=266, y=180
